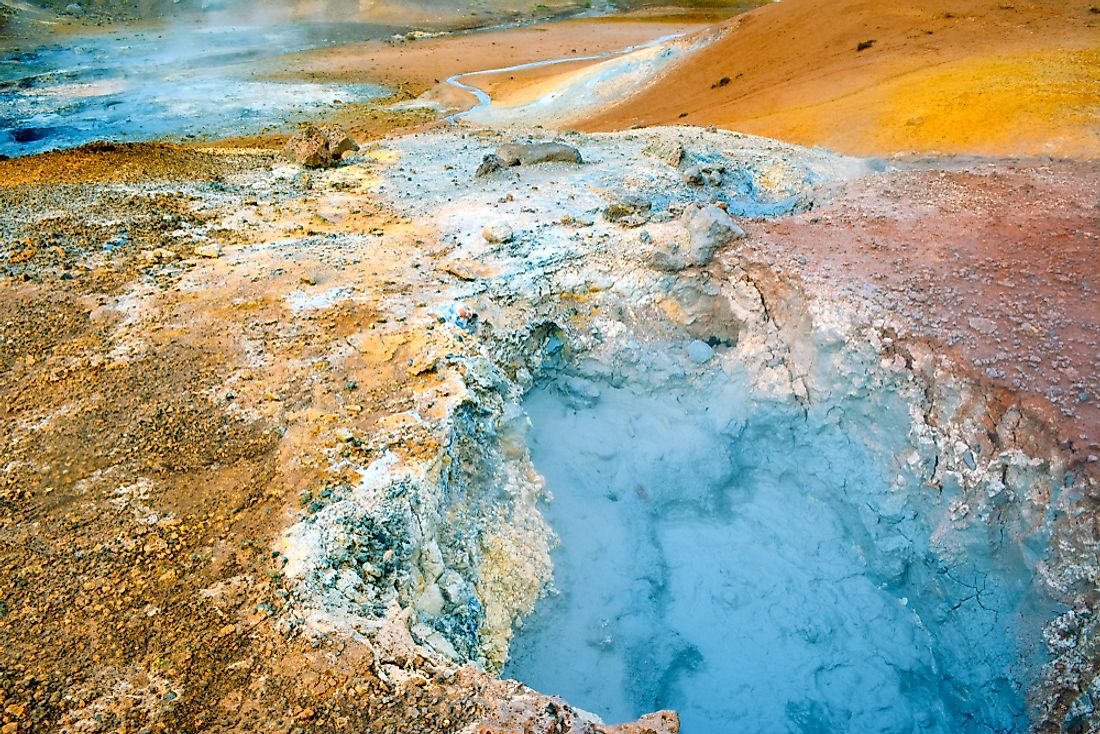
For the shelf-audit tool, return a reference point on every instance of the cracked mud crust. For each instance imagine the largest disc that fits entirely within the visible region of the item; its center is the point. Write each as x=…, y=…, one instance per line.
x=283, y=488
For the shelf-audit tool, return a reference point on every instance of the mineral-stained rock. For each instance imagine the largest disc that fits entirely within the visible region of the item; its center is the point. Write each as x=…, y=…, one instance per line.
x=669, y=152
x=629, y=209
x=498, y=233
x=700, y=175
x=708, y=229
x=528, y=154
x=339, y=142
x=316, y=147
x=491, y=163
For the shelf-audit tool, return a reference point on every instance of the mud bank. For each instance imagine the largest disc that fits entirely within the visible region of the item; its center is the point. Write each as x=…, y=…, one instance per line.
x=920, y=496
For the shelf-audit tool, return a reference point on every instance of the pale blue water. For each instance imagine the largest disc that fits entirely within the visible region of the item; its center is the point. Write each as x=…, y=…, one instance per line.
x=172, y=83
x=750, y=566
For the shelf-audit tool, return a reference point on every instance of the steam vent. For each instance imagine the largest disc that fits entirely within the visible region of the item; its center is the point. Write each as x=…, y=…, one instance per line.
x=497, y=367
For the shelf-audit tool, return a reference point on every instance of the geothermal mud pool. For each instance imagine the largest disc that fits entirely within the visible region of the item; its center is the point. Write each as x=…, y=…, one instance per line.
x=769, y=508
x=170, y=83
x=567, y=423
x=767, y=563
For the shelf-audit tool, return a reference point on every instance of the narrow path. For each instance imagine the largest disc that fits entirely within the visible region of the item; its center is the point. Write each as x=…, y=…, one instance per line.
x=483, y=98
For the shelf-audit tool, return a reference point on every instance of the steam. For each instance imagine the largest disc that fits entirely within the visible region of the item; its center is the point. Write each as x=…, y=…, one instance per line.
x=198, y=75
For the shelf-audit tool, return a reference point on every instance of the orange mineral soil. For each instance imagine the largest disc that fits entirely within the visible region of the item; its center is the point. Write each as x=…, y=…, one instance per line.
x=879, y=77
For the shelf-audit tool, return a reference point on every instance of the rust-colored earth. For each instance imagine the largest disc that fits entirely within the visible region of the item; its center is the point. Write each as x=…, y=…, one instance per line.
x=948, y=76
x=151, y=607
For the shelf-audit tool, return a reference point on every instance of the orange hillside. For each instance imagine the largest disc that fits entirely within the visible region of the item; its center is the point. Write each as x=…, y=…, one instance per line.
x=998, y=77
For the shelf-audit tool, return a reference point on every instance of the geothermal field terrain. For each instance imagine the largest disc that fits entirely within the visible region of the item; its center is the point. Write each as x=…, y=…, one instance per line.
x=702, y=366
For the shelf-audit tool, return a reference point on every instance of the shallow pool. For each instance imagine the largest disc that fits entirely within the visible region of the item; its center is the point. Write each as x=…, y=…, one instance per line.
x=763, y=567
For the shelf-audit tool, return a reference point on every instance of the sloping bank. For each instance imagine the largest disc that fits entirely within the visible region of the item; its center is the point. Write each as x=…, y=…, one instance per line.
x=948, y=576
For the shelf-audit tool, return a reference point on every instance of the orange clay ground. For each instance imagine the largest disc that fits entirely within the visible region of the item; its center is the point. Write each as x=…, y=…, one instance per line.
x=949, y=76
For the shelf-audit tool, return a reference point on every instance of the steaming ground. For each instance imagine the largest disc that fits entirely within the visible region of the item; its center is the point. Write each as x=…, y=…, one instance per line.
x=331, y=450
x=172, y=83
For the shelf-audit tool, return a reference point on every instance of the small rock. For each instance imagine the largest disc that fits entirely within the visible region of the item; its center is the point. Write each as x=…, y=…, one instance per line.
x=528, y=154
x=498, y=233
x=703, y=175
x=671, y=153
x=74, y=10
x=708, y=229
x=212, y=250
x=159, y=255
x=316, y=147
x=489, y=164
x=699, y=351
x=629, y=209
x=339, y=142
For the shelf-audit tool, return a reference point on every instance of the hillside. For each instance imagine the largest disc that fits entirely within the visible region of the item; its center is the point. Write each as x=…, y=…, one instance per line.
x=997, y=78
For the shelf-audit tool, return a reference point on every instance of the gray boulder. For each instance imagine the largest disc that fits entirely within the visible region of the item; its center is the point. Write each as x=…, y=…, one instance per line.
x=529, y=154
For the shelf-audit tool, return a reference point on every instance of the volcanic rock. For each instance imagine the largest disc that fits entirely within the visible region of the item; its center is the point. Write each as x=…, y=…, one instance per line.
x=706, y=228
x=489, y=164
x=629, y=209
x=317, y=147
x=528, y=154
x=498, y=233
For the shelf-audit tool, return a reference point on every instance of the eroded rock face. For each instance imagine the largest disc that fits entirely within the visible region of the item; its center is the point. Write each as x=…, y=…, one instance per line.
x=318, y=147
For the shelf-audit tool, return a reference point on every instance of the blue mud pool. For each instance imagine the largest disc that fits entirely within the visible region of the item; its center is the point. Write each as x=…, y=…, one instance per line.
x=173, y=83
x=757, y=567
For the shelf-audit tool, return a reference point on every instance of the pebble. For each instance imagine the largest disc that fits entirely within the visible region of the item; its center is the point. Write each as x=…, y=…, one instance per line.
x=498, y=233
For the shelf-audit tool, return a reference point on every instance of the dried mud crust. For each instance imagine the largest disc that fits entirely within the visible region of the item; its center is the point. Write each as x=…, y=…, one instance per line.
x=165, y=426
x=998, y=264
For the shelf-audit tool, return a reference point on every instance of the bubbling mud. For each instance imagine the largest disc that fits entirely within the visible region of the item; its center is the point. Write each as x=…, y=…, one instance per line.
x=766, y=565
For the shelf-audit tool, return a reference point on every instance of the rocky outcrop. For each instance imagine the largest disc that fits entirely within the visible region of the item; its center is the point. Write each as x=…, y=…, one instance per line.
x=706, y=229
